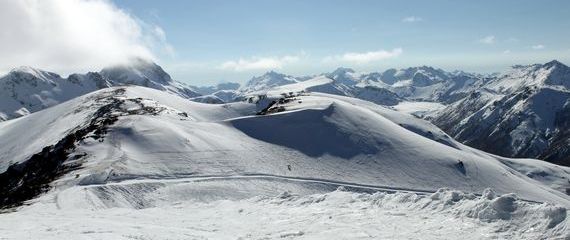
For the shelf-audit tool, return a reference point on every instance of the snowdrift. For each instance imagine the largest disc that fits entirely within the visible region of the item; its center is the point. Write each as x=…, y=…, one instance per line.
x=445, y=214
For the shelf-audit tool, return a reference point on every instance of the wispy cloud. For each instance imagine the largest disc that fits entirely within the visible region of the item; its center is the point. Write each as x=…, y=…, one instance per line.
x=157, y=40
x=488, y=39
x=365, y=57
x=74, y=35
x=538, y=47
x=507, y=51
x=259, y=63
x=412, y=19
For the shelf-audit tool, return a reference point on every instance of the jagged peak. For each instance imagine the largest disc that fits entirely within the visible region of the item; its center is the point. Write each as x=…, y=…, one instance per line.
x=554, y=63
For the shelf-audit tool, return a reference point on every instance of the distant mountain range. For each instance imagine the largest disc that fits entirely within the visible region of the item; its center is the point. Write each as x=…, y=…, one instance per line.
x=522, y=112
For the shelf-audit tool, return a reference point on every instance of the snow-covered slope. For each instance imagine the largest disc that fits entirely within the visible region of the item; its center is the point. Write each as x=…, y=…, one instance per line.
x=140, y=148
x=521, y=113
x=140, y=133
x=25, y=90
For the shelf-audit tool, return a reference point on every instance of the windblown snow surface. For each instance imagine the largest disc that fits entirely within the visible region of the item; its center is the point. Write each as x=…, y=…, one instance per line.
x=168, y=168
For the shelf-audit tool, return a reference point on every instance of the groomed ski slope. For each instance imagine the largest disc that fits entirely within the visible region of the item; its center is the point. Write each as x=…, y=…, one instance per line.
x=180, y=152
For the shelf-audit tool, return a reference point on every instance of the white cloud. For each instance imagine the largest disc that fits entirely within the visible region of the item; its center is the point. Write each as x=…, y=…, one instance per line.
x=157, y=40
x=365, y=57
x=538, y=47
x=412, y=19
x=73, y=35
x=488, y=39
x=507, y=51
x=259, y=63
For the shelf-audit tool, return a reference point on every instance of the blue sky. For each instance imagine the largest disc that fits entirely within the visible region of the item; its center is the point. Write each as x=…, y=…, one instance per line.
x=204, y=42
x=480, y=36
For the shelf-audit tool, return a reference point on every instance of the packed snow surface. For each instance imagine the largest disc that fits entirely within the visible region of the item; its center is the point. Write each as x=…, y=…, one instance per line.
x=340, y=214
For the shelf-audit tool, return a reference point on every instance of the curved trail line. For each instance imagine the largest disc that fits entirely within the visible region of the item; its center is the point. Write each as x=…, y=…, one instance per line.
x=262, y=176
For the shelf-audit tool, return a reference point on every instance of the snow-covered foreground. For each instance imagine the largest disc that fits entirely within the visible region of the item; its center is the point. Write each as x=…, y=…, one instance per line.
x=340, y=214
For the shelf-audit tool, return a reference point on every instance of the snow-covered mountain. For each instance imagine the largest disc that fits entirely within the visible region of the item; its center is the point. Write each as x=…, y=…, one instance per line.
x=267, y=81
x=345, y=76
x=25, y=90
x=117, y=134
x=501, y=113
x=144, y=73
x=218, y=87
x=523, y=112
x=424, y=83
x=220, y=93
x=134, y=147
x=118, y=149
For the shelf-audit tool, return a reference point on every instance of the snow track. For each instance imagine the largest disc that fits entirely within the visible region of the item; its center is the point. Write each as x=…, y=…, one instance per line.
x=259, y=176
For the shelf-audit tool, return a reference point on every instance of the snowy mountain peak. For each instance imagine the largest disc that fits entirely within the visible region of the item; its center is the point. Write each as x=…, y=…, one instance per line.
x=26, y=72
x=552, y=74
x=268, y=80
x=25, y=90
x=138, y=72
x=555, y=63
x=346, y=76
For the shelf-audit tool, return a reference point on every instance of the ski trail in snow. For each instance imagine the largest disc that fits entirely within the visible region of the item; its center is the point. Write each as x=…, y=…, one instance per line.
x=262, y=176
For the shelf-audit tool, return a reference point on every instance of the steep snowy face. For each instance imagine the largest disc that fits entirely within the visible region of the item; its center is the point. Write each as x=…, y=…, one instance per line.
x=346, y=76
x=529, y=123
x=138, y=72
x=266, y=81
x=554, y=74
x=25, y=90
x=521, y=113
x=144, y=73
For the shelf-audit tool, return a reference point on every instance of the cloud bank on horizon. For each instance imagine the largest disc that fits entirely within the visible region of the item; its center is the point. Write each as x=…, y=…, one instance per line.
x=73, y=35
